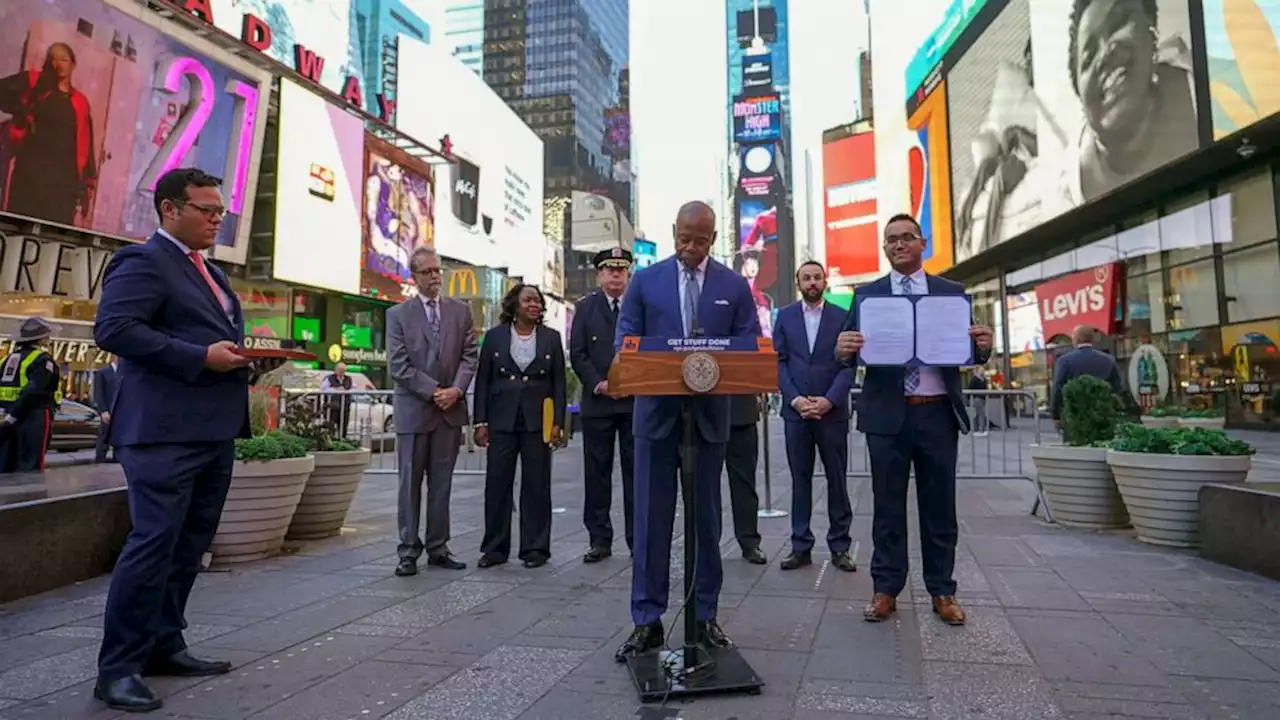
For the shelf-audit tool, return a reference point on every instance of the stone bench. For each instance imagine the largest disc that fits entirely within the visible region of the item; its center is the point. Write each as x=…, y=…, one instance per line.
x=1240, y=526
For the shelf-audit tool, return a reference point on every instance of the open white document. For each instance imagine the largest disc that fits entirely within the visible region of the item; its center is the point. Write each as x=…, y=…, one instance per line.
x=942, y=330
x=887, y=325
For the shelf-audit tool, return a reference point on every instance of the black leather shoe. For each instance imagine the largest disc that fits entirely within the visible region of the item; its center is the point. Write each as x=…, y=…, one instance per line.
x=129, y=694
x=184, y=664
x=407, y=567
x=596, y=554
x=755, y=556
x=796, y=560
x=447, y=561
x=712, y=635
x=535, y=561
x=643, y=639
x=488, y=561
x=844, y=561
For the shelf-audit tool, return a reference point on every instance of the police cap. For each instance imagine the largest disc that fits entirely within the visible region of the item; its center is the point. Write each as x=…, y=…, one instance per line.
x=613, y=258
x=34, y=329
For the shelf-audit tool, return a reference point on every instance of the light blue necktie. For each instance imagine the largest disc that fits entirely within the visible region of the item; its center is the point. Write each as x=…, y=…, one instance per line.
x=690, y=301
x=433, y=319
x=911, y=381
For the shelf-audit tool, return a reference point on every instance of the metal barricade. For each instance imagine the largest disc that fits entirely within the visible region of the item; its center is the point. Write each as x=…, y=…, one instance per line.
x=368, y=418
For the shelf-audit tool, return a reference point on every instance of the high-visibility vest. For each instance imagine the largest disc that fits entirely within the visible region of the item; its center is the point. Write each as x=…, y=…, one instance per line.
x=11, y=386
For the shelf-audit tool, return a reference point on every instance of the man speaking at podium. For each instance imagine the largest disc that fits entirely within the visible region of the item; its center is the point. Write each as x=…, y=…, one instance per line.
x=688, y=295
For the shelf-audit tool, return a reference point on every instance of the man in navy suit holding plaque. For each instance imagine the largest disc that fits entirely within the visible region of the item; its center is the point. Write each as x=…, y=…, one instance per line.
x=911, y=416
x=686, y=296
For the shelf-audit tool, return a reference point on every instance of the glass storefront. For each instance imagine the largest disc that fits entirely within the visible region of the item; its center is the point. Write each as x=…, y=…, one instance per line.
x=1197, y=295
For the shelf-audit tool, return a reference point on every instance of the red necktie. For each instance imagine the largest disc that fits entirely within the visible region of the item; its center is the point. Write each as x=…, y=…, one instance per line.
x=198, y=259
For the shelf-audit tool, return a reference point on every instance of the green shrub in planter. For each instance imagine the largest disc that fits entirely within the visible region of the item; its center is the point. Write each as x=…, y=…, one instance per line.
x=272, y=446
x=1207, y=413
x=1178, y=441
x=303, y=420
x=1090, y=411
x=1163, y=411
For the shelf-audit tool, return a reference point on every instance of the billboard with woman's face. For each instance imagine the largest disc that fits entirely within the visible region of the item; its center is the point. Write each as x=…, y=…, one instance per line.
x=97, y=103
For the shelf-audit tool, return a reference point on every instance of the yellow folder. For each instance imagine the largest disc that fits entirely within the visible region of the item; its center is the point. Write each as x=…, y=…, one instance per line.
x=548, y=420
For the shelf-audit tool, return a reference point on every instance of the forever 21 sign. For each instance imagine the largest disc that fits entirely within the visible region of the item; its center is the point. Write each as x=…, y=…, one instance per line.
x=47, y=267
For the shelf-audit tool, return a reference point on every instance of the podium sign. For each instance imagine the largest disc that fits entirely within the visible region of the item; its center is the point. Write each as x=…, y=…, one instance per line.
x=694, y=366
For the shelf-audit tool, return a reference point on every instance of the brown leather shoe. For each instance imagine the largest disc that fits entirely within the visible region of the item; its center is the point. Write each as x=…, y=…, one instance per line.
x=880, y=608
x=946, y=608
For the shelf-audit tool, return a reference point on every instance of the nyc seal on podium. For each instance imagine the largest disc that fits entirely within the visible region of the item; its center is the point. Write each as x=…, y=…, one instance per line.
x=701, y=372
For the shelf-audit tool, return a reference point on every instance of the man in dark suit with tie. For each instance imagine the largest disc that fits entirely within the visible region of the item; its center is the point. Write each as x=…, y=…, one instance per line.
x=183, y=398
x=815, y=410
x=106, y=384
x=688, y=295
x=605, y=417
x=1085, y=359
x=912, y=416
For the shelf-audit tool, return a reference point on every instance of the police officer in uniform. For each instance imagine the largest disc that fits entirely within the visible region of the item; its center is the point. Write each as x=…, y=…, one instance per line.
x=605, y=416
x=30, y=392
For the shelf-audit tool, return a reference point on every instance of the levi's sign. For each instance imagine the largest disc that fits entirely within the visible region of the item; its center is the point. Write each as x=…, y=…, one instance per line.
x=1084, y=298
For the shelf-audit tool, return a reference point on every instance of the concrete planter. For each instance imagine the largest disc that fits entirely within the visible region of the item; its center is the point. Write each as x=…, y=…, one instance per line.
x=1159, y=422
x=1217, y=423
x=259, y=508
x=1079, y=487
x=1161, y=492
x=328, y=495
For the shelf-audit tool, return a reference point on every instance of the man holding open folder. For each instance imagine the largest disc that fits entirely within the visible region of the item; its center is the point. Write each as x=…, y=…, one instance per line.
x=911, y=415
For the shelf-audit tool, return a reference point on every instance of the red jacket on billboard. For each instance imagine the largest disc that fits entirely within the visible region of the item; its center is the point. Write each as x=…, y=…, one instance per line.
x=1084, y=298
x=24, y=120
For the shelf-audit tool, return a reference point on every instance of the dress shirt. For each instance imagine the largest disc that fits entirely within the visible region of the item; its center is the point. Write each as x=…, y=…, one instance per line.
x=812, y=321
x=223, y=300
x=700, y=273
x=930, y=379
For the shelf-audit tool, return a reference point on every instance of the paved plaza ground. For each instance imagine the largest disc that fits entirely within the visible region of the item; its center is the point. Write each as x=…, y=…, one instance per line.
x=1063, y=624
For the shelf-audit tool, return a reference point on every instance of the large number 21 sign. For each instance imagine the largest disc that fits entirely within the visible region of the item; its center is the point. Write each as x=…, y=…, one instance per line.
x=199, y=107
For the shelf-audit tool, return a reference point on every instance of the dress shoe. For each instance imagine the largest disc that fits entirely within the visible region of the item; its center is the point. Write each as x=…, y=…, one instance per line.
x=882, y=605
x=946, y=608
x=844, y=561
x=129, y=694
x=755, y=556
x=796, y=560
x=712, y=635
x=535, y=561
x=407, y=567
x=184, y=664
x=643, y=639
x=596, y=554
x=488, y=561
x=447, y=561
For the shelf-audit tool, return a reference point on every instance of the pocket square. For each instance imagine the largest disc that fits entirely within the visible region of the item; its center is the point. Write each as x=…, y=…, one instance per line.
x=722, y=302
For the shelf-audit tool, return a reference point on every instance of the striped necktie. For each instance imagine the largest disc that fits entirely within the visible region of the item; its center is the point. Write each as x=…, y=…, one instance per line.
x=911, y=381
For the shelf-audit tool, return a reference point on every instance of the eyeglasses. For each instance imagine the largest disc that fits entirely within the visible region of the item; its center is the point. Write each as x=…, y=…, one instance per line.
x=903, y=240
x=211, y=212
x=428, y=271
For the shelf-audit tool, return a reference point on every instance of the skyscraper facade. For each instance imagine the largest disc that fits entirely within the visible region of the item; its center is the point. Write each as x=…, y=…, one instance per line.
x=562, y=66
x=464, y=32
x=379, y=23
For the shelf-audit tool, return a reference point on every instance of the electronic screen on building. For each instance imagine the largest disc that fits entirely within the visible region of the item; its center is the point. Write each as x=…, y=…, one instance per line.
x=757, y=119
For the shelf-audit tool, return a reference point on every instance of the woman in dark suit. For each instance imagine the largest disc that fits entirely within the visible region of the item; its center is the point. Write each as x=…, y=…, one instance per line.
x=521, y=366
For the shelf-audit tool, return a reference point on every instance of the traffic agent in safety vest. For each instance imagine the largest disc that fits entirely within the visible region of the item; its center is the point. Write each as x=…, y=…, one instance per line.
x=30, y=392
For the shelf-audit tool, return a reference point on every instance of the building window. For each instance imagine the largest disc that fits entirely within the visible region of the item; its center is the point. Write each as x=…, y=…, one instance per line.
x=1193, y=295
x=1144, y=304
x=1186, y=230
x=1139, y=243
x=1249, y=279
x=1194, y=367
x=1252, y=209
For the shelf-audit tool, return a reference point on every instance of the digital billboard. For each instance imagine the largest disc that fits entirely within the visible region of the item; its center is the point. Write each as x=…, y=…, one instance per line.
x=96, y=105
x=1242, y=42
x=929, y=178
x=489, y=201
x=645, y=252
x=399, y=199
x=757, y=119
x=757, y=252
x=850, y=205
x=757, y=74
x=320, y=185
x=929, y=56
x=747, y=25
x=1115, y=92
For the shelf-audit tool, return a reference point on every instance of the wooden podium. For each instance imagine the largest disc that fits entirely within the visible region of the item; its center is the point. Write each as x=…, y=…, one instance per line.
x=689, y=368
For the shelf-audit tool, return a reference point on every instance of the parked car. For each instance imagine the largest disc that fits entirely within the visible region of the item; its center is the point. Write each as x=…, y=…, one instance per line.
x=75, y=427
x=363, y=409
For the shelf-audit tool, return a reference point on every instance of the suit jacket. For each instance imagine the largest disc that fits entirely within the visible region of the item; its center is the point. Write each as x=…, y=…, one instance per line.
x=882, y=405
x=1084, y=360
x=744, y=410
x=505, y=392
x=651, y=308
x=106, y=385
x=811, y=374
x=419, y=367
x=158, y=315
x=591, y=354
